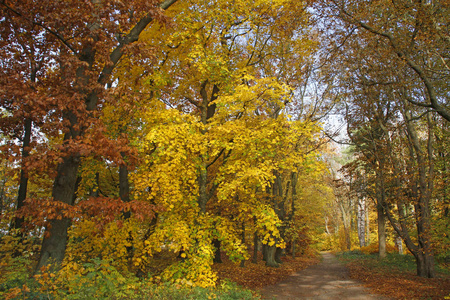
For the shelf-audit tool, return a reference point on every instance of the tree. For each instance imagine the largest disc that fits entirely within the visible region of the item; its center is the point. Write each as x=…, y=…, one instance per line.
x=86, y=45
x=415, y=34
x=222, y=80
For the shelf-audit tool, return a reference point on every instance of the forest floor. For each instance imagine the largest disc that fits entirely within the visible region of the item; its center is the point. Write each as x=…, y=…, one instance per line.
x=308, y=277
x=327, y=280
x=395, y=276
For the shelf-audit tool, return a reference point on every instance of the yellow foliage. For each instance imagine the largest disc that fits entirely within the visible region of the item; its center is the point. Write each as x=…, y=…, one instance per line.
x=89, y=239
x=210, y=52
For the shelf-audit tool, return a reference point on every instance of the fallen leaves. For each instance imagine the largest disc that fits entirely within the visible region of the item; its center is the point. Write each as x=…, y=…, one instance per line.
x=255, y=276
x=400, y=284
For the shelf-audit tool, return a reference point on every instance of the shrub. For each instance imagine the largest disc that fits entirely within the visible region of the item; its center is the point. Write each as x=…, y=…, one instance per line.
x=98, y=279
x=373, y=248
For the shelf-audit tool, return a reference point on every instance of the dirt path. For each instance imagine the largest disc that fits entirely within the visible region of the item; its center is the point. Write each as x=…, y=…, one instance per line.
x=326, y=280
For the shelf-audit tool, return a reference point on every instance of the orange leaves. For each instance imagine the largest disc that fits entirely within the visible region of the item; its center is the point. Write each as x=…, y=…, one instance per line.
x=40, y=211
x=386, y=280
x=256, y=276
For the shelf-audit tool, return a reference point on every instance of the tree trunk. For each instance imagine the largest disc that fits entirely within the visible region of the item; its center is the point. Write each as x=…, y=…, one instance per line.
x=425, y=265
x=264, y=252
x=294, y=180
x=2, y=192
x=399, y=244
x=361, y=222
x=381, y=232
x=270, y=256
x=217, y=255
x=23, y=183
x=255, y=246
x=293, y=247
x=278, y=254
x=346, y=223
x=124, y=187
x=367, y=228
x=380, y=211
x=243, y=243
x=55, y=238
x=124, y=193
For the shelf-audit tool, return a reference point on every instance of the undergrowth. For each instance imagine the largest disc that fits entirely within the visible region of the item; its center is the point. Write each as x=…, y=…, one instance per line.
x=103, y=281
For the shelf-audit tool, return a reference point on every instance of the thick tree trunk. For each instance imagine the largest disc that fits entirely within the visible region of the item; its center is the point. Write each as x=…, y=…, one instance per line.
x=428, y=270
x=55, y=238
x=270, y=256
x=425, y=265
x=278, y=254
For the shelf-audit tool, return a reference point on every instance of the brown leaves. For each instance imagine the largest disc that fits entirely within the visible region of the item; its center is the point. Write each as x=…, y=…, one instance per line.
x=256, y=276
x=40, y=211
x=400, y=285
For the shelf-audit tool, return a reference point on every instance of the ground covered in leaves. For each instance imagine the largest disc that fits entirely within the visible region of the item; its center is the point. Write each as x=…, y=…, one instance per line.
x=395, y=277
x=255, y=276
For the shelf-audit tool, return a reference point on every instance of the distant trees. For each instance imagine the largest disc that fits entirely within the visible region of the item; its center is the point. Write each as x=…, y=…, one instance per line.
x=389, y=63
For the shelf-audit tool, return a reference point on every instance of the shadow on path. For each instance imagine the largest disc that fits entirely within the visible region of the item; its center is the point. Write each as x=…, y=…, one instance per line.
x=326, y=280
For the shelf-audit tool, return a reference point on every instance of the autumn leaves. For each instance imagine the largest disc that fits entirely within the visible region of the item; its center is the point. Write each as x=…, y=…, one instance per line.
x=214, y=156
x=176, y=141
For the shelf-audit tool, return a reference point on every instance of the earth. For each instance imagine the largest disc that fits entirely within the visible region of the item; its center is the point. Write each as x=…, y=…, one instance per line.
x=326, y=280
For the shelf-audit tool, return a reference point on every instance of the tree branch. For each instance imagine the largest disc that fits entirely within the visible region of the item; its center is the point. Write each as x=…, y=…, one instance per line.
x=130, y=38
x=40, y=24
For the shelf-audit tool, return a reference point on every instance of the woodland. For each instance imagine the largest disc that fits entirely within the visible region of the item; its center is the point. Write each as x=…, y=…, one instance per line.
x=146, y=144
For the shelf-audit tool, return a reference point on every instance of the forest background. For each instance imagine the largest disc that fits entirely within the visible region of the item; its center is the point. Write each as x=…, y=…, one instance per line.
x=144, y=140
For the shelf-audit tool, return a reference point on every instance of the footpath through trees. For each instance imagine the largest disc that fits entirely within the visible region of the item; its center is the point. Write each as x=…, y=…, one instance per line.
x=327, y=280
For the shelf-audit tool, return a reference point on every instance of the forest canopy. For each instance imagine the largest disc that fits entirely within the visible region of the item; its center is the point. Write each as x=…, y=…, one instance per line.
x=147, y=139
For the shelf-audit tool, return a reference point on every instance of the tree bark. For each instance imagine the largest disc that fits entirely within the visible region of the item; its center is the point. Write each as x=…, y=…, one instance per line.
x=381, y=232
x=361, y=222
x=367, y=228
x=380, y=196
x=346, y=224
x=270, y=256
x=23, y=183
x=255, y=245
x=278, y=254
x=217, y=255
x=55, y=237
x=425, y=260
x=242, y=265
